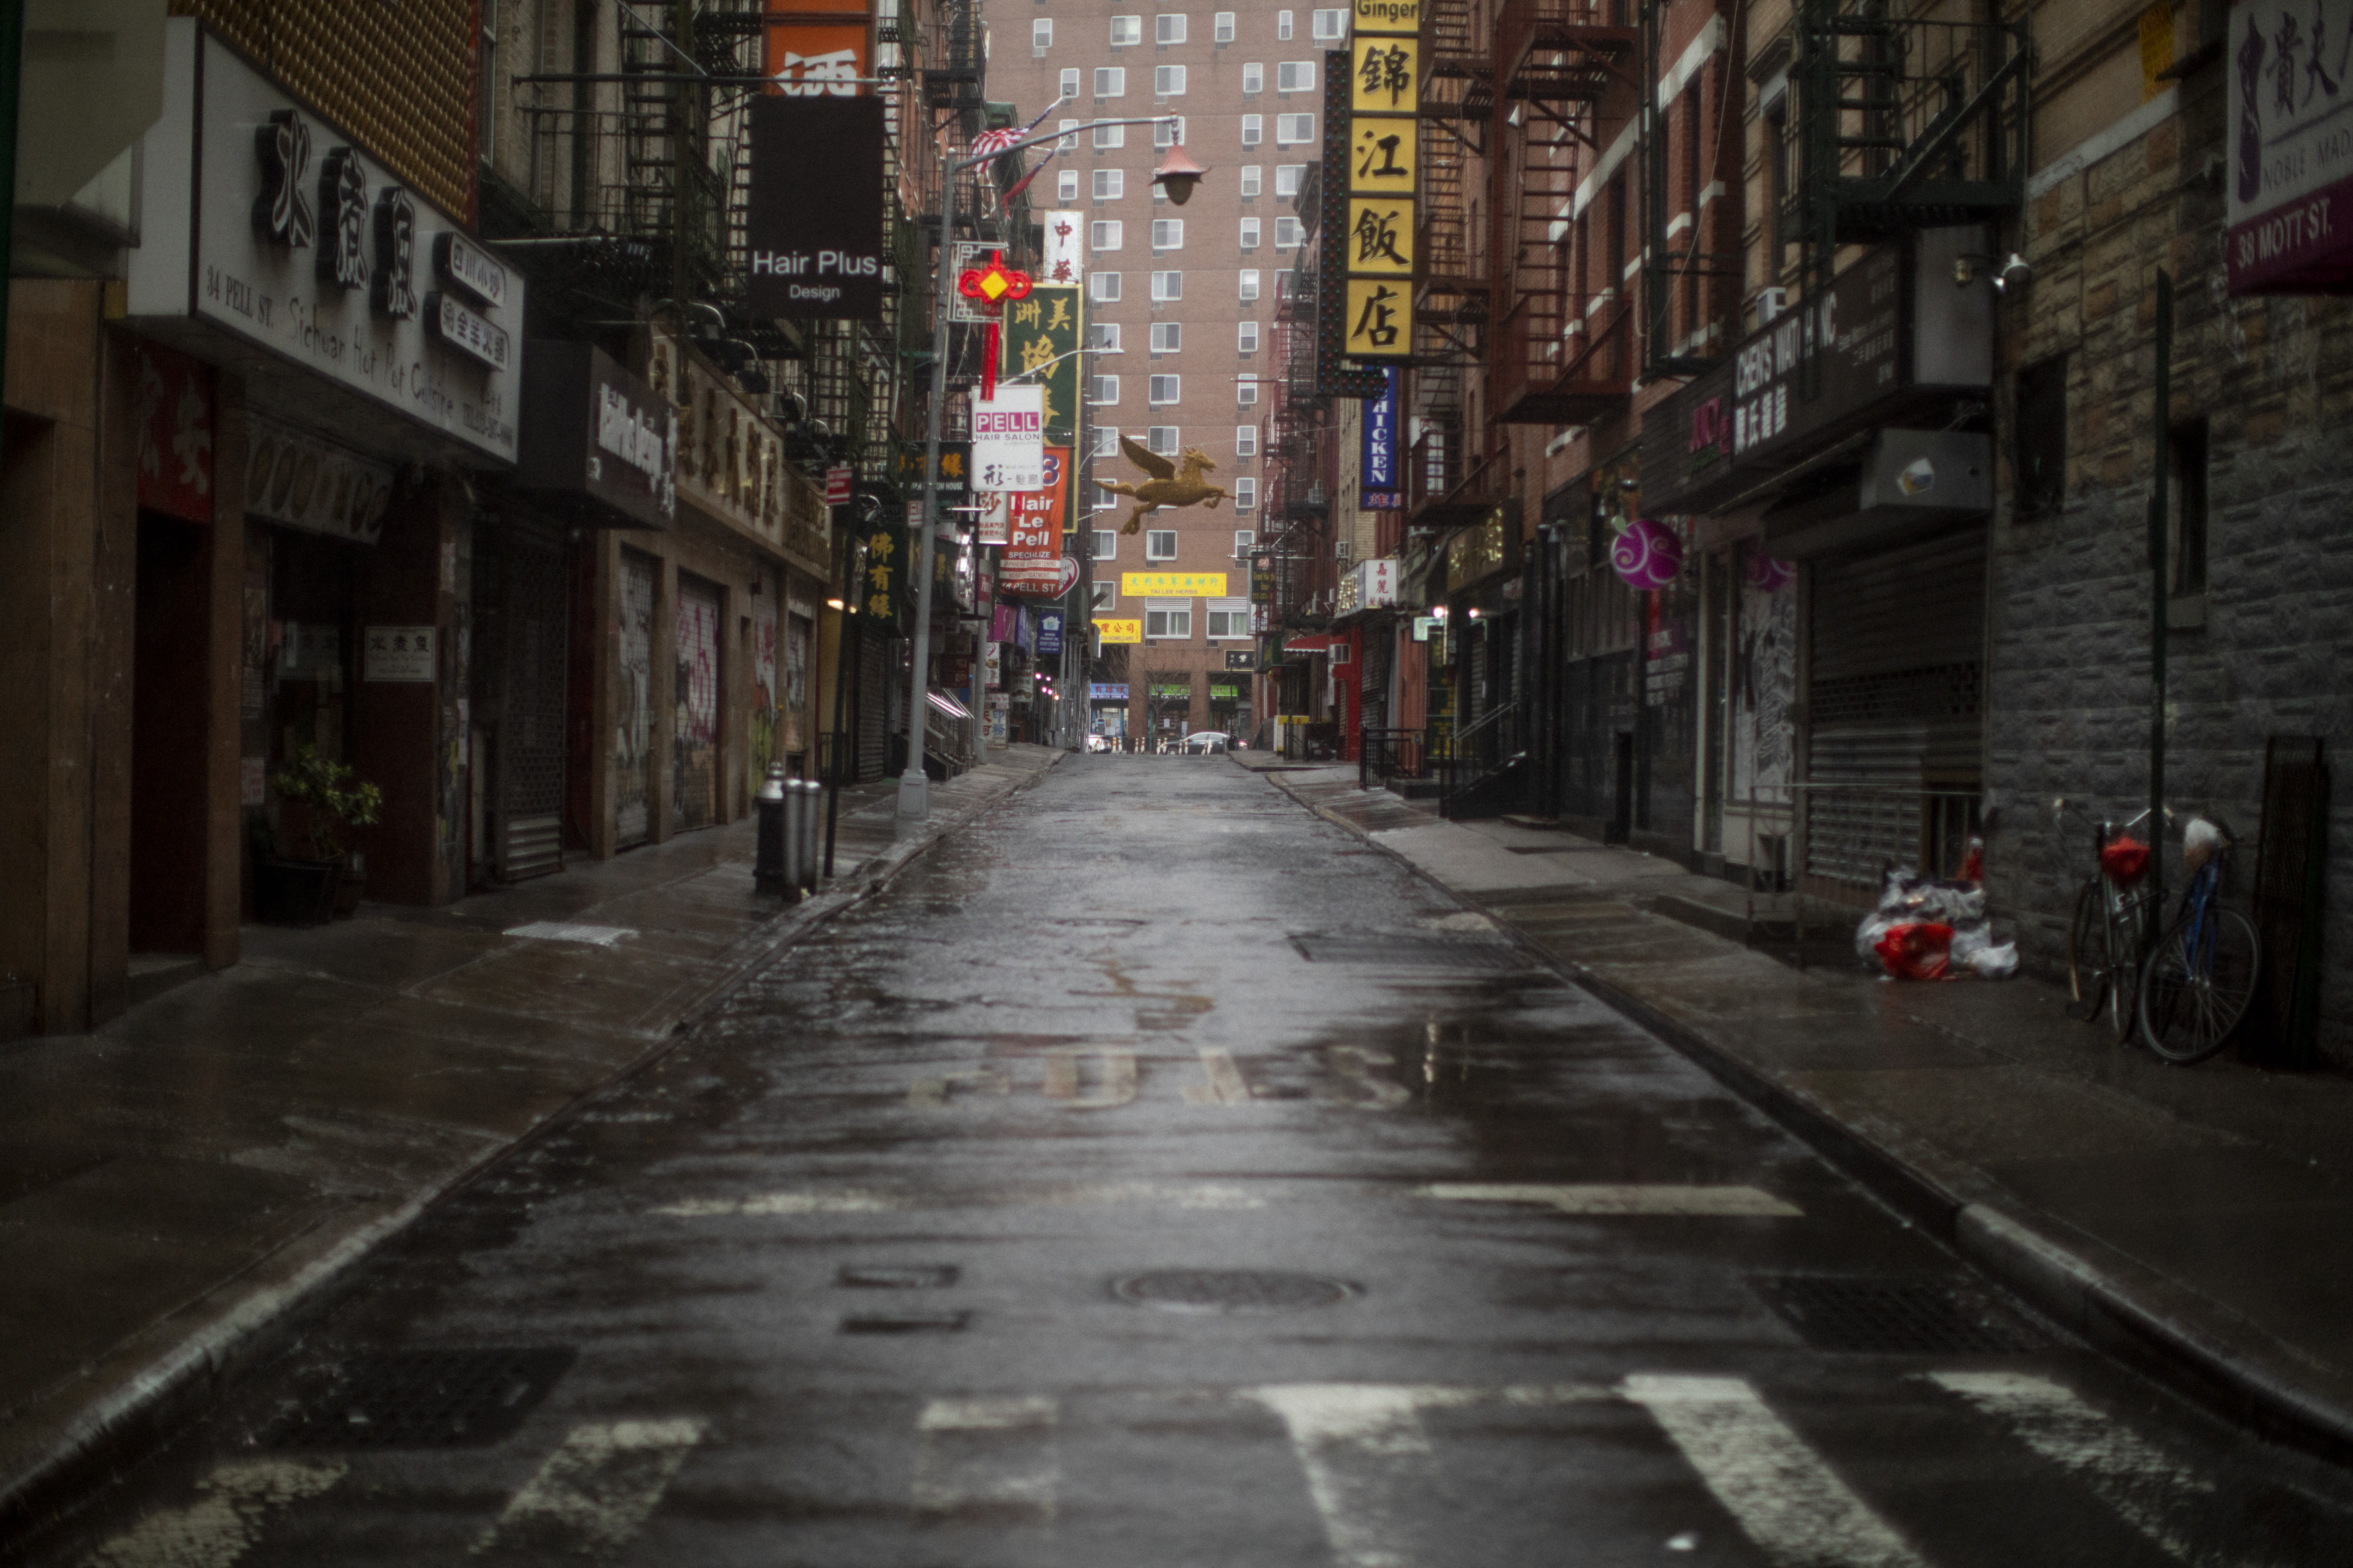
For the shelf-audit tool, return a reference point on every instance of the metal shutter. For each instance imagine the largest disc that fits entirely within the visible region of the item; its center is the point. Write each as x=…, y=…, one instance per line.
x=633, y=726
x=694, y=735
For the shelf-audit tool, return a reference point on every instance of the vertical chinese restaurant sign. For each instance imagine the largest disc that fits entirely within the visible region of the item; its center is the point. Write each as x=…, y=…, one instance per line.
x=1066, y=257
x=1033, y=563
x=1041, y=341
x=173, y=406
x=2289, y=176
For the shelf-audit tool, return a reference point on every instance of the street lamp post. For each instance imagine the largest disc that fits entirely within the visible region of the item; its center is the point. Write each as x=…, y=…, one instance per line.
x=1180, y=173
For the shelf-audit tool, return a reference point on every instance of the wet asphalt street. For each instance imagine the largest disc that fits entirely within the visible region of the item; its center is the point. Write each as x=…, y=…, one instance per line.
x=1156, y=1175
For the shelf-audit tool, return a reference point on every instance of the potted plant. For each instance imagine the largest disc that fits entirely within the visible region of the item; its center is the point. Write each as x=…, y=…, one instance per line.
x=318, y=803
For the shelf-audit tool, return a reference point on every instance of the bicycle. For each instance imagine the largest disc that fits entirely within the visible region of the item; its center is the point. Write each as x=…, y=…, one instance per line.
x=2110, y=930
x=2199, y=979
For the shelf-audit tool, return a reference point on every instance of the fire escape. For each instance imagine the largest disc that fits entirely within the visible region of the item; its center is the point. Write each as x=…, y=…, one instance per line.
x=1296, y=506
x=1450, y=298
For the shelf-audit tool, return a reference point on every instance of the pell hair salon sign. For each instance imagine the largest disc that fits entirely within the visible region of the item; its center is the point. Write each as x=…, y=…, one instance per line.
x=264, y=221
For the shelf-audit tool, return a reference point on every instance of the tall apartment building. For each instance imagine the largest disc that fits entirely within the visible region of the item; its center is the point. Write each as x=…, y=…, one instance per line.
x=1186, y=296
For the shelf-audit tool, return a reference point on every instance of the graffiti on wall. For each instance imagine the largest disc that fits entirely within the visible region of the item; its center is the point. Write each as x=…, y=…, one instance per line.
x=633, y=719
x=694, y=733
x=764, y=718
x=1764, y=679
x=799, y=632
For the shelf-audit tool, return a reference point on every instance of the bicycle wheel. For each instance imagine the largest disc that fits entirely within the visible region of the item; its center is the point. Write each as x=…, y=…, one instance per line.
x=2199, y=984
x=2088, y=954
x=2128, y=930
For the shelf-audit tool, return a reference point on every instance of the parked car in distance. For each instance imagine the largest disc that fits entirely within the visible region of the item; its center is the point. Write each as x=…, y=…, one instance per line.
x=1099, y=743
x=1207, y=742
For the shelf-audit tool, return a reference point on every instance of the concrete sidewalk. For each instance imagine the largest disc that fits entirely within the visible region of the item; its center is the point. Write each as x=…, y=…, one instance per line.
x=178, y=1185
x=2198, y=1221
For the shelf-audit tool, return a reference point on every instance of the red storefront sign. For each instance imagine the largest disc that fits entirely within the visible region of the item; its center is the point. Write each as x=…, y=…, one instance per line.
x=175, y=412
x=1032, y=562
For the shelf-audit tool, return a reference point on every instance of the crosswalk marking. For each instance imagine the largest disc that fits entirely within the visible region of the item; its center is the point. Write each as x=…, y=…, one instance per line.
x=2130, y=1474
x=992, y=1457
x=1353, y=1440
x=225, y=1521
x=1775, y=1486
x=595, y=1491
x=1115, y=1077
x=1605, y=1199
x=1224, y=1084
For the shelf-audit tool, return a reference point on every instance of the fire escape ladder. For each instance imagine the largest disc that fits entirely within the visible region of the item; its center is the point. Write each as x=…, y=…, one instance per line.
x=1458, y=71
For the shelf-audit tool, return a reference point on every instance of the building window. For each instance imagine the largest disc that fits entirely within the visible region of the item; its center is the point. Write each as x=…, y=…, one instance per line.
x=1164, y=389
x=1249, y=233
x=1070, y=142
x=1110, y=185
x=1124, y=31
x=1250, y=285
x=2041, y=481
x=1287, y=180
x=1168, y=288
x=1103, y=334
x=1221, y=29
x=1070, y=82
x=1168, y=28
x=1160, y=545
x=1295, y=76
x=1282, y=26
x=1042, y=35
x=1107, y=441
x=1104, y=233
x=2185, y=457
x=1245, y=440
x=1168, y=234
x=1253, y=130
x=1245, y=494
x=1104, y=393
x=1167, y=337
x=1168, y=82
x=1103, y=288
x=1161, y=440
x=1246, y=394
x=1282, y=283
x=1246, y=337
x=1244, y=540
x=1105, y=596
x=1331, y=27
x=1111, y=81
x=1105, y=546
x=1109, y=136
x=1168, y=618
x=1066, y=185
x=1250, y=181
x=1254, y=79
x=1230, y=618
x=1288, y=234
x=1167, y=133
x=1293, y=130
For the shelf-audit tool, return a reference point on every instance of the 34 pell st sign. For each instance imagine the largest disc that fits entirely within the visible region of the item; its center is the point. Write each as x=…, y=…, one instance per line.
x=815, y=220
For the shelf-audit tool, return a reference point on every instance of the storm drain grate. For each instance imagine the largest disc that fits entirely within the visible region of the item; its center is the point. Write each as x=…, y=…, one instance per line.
x=422, y=1399
x=1408, y=950
x=898, y=1276
x=1892, y=1316
x=1230, y=1291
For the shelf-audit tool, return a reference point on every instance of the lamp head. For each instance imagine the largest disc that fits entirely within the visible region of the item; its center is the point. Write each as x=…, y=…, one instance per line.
x=1177, y=174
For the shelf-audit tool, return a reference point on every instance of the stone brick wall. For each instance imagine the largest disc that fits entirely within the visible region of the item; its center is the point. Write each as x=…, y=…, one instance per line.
x=2068, y=701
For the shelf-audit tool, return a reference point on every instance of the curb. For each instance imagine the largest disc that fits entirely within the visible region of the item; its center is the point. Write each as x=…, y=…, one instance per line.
x=118, y=1430
x=2076, y=1292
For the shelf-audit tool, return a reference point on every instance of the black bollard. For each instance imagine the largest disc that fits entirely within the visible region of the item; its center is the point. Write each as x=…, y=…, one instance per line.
x=768, y=866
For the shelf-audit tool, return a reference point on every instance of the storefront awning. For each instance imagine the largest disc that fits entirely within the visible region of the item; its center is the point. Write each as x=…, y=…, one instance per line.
x=949, y=705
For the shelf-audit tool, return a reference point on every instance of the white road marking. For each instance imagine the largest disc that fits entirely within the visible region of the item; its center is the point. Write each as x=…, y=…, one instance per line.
x=1117, y=1077
x=595, y=1491
x=563, y=931
x=1357, y=1444
x=1777, y=1488
x=2130, y=1474
x=1607, y=1199
x=996, y=1455
x=225, y=1521
x=764, y=1204
x=1182, y=1194
x=1354, y=1064
x=1224, y=1084
x=992, y=1081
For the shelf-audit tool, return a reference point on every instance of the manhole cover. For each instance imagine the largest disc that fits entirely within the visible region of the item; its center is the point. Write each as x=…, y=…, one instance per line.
x=1892, y=1316
x=1407, y=950
x=421, y=1399
x=1230, y=1291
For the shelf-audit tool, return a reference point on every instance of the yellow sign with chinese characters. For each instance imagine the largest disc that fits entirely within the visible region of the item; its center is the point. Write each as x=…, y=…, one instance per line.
x=1388, y=76
x=1388, y=17
x=1380, y=236
x=1174, y=584
x=1381, y=158
x=1120, y=631
x=1379, y=323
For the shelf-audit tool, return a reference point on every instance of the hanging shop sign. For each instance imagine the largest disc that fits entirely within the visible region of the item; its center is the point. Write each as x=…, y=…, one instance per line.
x=1119, y=631
x=1398, y=17
x=953, y=479
x=1041, y=346
x=1381, y=490
x=1033, y=563
x=813, y=224
x=596, y=440
x=276, y=241
x=1066, y=252
x=1107, y=691
x=1241, y=662
x=294, y=477
x=1369, y=252
x=1173, y=584
x=398, y=654
x=730, y=458
x=1648, y=554
x=1049, y=635
x=993, y=519
x=1477, y=553
x=2289, y=169
x=1008, y=439
x=815, y=49
x=1371, y=585
x=173, y=406
x=882, y=564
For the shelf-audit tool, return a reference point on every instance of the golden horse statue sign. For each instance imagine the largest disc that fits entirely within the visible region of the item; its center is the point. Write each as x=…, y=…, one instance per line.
x=1168, y=485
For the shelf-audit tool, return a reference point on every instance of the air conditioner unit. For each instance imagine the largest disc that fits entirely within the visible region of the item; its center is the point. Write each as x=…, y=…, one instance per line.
x=1770, y=304
x=1341, y=548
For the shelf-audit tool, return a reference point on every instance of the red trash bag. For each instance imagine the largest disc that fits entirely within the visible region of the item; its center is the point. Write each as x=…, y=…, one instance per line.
x=1916, y=950
x=2124, y=859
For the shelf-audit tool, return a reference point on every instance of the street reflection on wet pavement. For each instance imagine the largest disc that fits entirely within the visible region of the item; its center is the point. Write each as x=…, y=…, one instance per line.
x=1150, y=1175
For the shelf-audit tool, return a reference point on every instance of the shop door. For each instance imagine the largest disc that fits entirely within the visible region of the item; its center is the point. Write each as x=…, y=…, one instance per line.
x=518, y=694
x=695, y=738
x=170, y=629
x=633, y=725
x=767, y=698
x=1896, y=674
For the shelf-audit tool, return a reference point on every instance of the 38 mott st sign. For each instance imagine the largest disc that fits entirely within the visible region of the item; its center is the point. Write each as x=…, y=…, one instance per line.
x=814, y=223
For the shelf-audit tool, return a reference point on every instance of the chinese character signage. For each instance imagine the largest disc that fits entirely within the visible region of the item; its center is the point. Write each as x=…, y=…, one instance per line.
x=955, y=475
x=398, y=654
x=173, y=407
x=815, y=49
x=1066, y=255
x=1378, y=480
x=1367, y=221
x=2289, y=172
x=1008, y=439
x=1041, y=344
x=1383, y=72
x=1119, y=631
x=813, y=223
x=882, y=587
x=1173, y=584
x=1107, y=691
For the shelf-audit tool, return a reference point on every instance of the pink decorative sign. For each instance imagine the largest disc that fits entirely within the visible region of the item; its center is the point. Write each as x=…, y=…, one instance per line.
x=1768, y=573
x=1648, y=554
